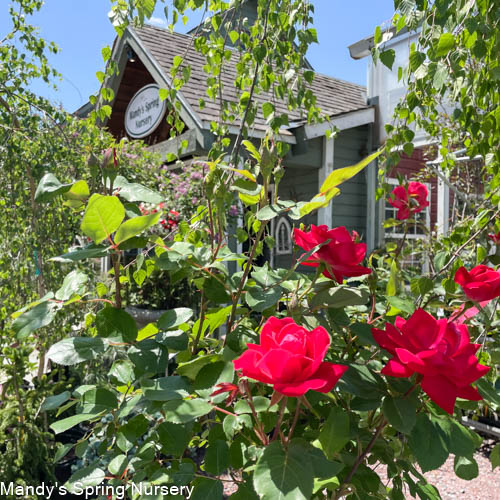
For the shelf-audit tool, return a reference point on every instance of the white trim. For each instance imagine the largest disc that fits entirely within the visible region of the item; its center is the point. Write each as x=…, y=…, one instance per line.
x=288, y=137
x=342, y=122
x=443, y=207
x=160, y=75
x=371, y=205
x=325, y=214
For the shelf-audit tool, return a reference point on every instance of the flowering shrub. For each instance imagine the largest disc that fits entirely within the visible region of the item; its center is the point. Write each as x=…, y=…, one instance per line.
x=480, y=283
x=290, y=358
x=339, y=253
x=409, y=200
x=281, y=379
x=439, y=351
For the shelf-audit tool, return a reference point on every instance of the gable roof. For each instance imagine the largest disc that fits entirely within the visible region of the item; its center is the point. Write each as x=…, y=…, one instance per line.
x=334, y=97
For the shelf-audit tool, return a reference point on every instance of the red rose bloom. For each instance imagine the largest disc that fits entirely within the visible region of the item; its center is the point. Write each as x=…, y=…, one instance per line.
x=480, y=283
x=409, y=201
x=341, y=255
x=440, y=351
x=290, y=358
x=495, y=238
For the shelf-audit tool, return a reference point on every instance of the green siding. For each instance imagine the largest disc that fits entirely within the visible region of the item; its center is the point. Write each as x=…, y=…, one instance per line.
x=349, y=208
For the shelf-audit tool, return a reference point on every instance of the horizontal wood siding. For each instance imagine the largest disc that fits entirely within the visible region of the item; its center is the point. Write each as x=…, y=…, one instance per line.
x=349, y=208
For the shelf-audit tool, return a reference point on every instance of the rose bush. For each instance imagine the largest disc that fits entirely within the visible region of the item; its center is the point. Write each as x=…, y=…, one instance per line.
x=290, y=358
x=341, y=254
x=409, y=200
x=480, y=283
x=439, y=351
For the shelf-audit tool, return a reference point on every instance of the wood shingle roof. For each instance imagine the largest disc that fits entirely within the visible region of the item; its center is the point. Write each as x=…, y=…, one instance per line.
x=334, y=96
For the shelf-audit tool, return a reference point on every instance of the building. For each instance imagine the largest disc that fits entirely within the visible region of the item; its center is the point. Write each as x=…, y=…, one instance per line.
x=145, y=56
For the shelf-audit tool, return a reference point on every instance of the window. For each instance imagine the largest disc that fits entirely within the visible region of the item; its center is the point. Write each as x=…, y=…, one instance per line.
x=283, y=237
x=414, y=255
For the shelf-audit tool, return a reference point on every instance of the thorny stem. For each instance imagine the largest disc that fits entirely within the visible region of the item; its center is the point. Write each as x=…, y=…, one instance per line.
x=258, y=425
x=340, y=490
x=295, y=420
x=280, y=418
x=118, y=286
x=237, y=295
x=203, y=307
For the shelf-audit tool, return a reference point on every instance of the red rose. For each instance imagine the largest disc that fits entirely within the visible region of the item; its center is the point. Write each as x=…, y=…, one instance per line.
x=480, y=283
x=495, y=238
x=290, y=358
x=341, y=255
x=440, y=351
x=409, y=201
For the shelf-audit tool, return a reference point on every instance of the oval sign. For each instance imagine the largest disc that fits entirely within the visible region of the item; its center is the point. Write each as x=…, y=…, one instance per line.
x=144, y=112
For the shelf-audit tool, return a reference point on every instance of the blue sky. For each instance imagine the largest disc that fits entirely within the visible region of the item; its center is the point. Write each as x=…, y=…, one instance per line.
x=81, y=28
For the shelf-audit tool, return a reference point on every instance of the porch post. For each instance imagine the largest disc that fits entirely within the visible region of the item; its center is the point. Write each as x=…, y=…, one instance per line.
x=325, y=215
x=443, y=207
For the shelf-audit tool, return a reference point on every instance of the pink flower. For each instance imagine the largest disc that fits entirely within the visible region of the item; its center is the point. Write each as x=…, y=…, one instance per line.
x=438, y=350
x=290, y=358
x=342, y=255
x=480, y=283
x=409, y=201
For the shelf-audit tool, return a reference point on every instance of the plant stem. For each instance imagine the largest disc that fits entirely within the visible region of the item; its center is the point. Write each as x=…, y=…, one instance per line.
x=295, y=420
x=280, y=418
x=118, y=286
x=238, y=293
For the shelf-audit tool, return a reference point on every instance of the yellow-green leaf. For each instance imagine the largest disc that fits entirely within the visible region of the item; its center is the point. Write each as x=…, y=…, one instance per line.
x=344, y=174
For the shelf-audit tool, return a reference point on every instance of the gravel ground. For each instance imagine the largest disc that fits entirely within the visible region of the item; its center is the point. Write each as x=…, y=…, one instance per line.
x=485, y=487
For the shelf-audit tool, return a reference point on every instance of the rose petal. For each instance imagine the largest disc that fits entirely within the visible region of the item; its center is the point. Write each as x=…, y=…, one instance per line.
x=324, y=380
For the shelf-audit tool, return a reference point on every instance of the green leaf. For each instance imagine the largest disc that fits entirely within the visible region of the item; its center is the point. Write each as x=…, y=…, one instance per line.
x=252, y=150
x=118, y=465
x=39, y=316
x=181, y=412
x=207, y=489
x=340, y=175
x=174, y=318
x=174, y=438
x=98, y=400
x=428, y=443
x=136, y=192
x=489, y=392
x=462, y=441
x=85, y=478
x=392, y=284
x=116, y=323
x=340, y=296
x=284, y=474
x=74, y=283
x=466, y=468
x=90, y=252
x=323, y=468
x=495, y=457
x=217, y=457
x=361, y=381
x=335, y=432
x=259, y=300
x=68, y=423
x=79, y=191
x=49, y=187
x=387, y=57
x=122, y=371
x=445, y=44
x=135, y=226
x=401, y=413
x=53, y=402
x=191, y=368
x=175, y=340
x=74, y=350
x=401, y=304
x=103, y=216
x=166, y=388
